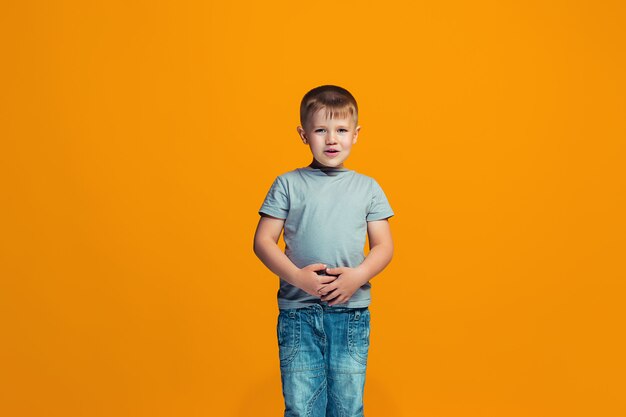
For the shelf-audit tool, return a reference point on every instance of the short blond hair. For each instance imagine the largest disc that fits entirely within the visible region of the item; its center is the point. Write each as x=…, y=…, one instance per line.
x=336, y=100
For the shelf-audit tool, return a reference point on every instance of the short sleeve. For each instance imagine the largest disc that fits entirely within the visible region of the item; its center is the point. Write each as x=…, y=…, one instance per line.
x=379, y=205
x=276, y=201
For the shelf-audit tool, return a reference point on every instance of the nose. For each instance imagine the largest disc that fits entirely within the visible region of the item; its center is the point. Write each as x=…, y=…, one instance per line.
x=330, y=138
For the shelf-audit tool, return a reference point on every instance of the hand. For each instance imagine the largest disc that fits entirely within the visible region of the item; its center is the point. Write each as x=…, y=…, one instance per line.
x=310, y=282
x=348, y=281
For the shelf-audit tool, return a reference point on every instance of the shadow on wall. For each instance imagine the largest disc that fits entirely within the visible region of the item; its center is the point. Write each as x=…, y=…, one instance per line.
x=263, y=397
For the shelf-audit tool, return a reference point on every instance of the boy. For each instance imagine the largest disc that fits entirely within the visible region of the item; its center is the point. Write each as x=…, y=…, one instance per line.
x=325, y=209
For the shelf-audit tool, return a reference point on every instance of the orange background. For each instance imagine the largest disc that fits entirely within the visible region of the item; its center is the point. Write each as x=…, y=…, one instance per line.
x=140, y=138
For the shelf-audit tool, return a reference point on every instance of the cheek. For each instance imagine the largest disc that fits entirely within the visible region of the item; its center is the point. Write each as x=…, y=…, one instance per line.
x=314, y=142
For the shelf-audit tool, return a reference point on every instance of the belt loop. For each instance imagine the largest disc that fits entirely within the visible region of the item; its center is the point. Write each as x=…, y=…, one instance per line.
x=357, y=314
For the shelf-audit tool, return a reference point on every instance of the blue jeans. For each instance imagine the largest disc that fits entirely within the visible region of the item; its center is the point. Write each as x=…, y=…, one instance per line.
x=323, y=358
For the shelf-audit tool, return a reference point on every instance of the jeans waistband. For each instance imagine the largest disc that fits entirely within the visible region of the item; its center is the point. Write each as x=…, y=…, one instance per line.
x=326, y=308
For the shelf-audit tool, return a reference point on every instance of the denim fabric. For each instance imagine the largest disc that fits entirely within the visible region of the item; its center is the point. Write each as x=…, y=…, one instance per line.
x=323, y=358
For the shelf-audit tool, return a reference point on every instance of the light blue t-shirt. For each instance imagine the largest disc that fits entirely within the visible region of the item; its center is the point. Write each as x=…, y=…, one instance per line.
x=326, y=213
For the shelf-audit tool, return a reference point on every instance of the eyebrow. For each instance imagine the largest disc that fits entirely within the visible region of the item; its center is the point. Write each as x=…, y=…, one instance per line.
x=340, y=126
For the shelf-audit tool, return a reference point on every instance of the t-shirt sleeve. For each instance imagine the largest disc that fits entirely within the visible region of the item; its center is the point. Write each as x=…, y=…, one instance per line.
x=276, y=201
x=379, y=205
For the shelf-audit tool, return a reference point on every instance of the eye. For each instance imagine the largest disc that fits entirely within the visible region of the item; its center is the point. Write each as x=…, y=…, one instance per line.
x=320, y=130
x=343, y=130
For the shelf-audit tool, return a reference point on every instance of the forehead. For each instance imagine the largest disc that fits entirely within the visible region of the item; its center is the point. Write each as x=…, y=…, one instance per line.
x=326, y=115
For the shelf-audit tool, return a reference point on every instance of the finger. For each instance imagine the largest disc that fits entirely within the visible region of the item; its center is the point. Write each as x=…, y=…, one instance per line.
x=320, y=291
x=339, y=300
x=335, y=271
x=315, y=267
x=331, y=295
x=327, y=279
x=325, y=289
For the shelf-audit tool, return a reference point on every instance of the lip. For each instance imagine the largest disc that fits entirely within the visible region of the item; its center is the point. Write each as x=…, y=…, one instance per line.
x=331, y=154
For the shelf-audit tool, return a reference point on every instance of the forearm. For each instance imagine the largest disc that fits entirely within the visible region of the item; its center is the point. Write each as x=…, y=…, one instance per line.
x=377, y=259
x=275, y=260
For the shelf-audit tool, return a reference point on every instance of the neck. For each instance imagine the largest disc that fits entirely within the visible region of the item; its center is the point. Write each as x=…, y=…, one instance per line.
x=317, y=165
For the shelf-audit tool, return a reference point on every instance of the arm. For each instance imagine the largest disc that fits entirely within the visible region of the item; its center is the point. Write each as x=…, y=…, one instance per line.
x=351, y=279
x=266, y=249
x=381, y=249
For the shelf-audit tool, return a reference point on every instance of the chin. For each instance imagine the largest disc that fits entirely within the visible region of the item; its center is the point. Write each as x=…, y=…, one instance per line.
x=334, y=164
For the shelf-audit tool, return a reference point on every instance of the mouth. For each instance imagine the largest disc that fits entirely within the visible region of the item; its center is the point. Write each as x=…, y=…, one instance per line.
x=331, y=152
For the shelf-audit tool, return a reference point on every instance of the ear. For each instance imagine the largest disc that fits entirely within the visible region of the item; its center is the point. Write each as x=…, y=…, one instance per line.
x=356, y=134
x=302, y=134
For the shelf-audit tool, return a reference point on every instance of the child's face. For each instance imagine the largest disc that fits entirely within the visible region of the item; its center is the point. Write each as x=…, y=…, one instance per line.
x=330, y=140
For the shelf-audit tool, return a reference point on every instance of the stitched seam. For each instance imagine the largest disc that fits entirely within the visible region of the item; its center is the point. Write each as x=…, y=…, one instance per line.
x=297, y=342
x=353, y=328
x=338, y=406
x=309, y=406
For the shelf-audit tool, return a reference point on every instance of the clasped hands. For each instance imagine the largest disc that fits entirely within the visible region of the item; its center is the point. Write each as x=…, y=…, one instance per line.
x=336, y=288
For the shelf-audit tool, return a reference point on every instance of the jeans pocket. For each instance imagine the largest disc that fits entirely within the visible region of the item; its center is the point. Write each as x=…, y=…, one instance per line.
x=359, y=335
x=288, y=333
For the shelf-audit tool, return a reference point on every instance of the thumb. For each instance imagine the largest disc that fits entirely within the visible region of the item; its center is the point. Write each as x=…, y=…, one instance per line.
x=315, y=267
